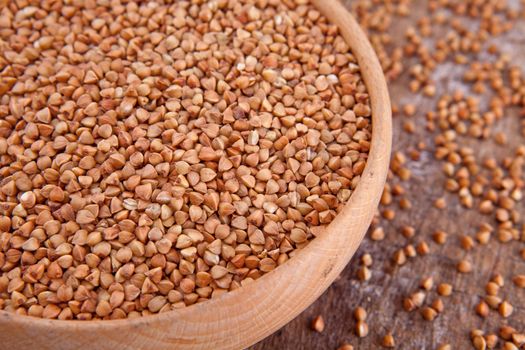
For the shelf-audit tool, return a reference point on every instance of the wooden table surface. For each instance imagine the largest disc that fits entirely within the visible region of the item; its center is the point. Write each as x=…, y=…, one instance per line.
x=383, y=294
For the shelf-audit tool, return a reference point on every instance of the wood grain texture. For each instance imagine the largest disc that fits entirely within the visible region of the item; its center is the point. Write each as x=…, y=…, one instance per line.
x=242, y=317
x=382, y=296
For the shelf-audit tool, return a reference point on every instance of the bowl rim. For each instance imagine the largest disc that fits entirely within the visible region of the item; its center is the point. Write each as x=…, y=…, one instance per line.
x=372, y=179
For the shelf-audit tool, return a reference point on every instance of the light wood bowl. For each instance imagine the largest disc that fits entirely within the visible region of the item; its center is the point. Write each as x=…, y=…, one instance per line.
x=240, y=318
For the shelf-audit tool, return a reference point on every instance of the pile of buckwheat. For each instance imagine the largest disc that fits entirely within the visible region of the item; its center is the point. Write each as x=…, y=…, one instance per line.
x=154, y=155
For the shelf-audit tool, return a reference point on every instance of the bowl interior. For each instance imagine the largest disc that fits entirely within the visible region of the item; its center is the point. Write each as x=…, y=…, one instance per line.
x=242, y=317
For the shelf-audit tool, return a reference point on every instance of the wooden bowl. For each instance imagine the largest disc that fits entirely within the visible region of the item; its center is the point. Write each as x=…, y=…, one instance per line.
x=242, y=317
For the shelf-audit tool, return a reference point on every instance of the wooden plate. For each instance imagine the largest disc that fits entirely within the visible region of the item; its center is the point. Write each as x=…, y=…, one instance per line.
x=240, y=318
